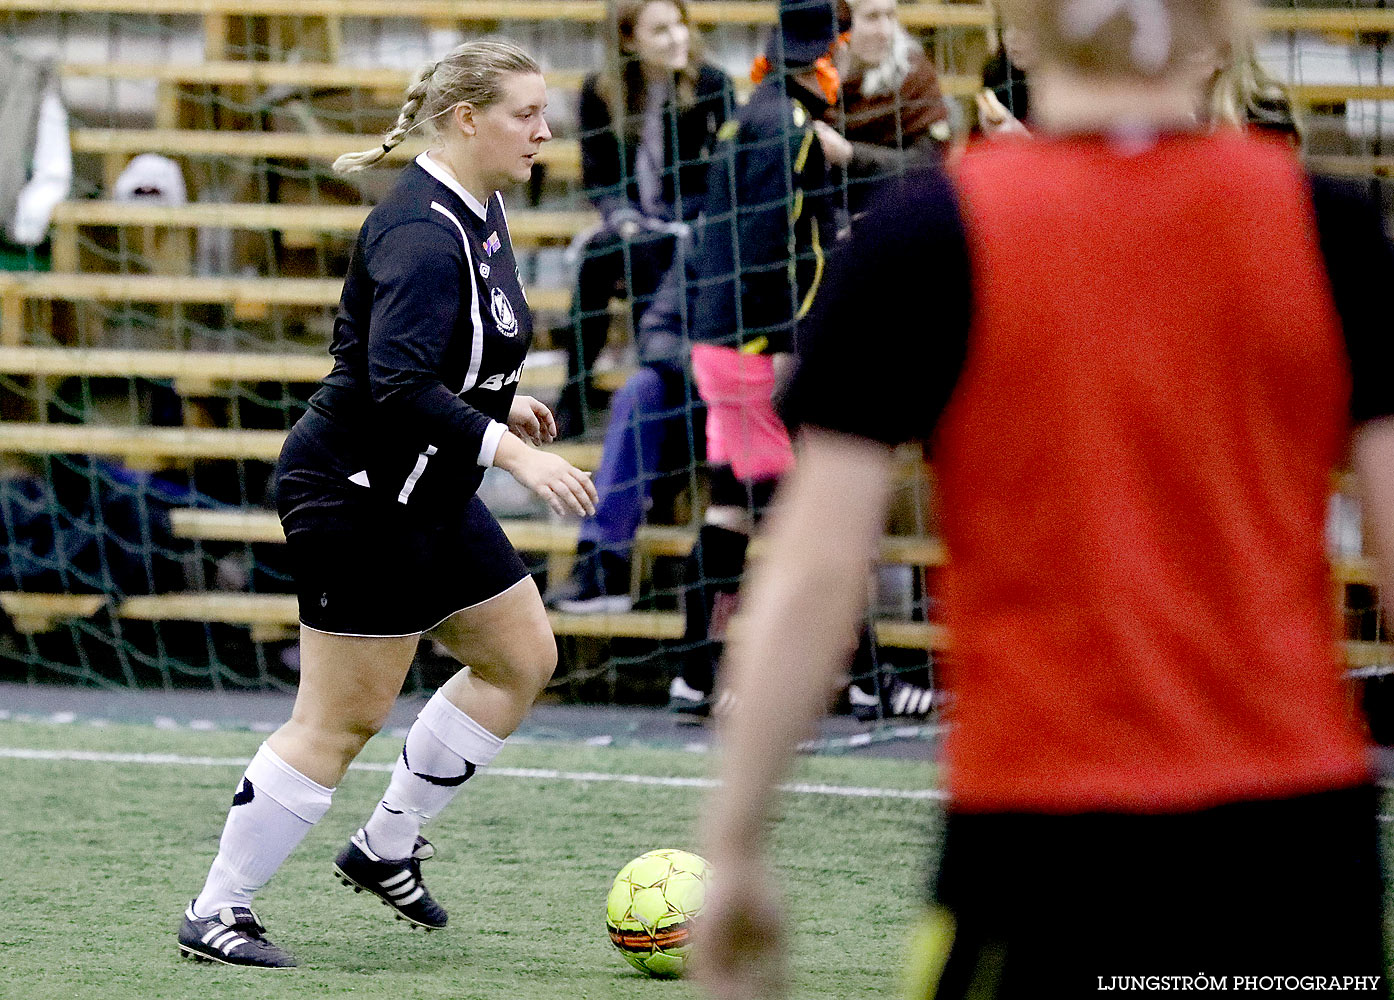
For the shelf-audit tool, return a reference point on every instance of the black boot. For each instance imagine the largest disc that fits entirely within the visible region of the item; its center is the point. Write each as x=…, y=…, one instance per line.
x=712, y=577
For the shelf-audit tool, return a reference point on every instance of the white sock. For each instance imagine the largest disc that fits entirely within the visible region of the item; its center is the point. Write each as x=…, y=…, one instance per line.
x=274, y=808
x=444, y=748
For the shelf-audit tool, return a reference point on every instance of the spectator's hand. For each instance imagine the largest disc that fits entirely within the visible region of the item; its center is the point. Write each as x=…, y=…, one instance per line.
x=565, y=488
x=836, y=149
x=995, y=119
x=532, y=421
x=740, y=951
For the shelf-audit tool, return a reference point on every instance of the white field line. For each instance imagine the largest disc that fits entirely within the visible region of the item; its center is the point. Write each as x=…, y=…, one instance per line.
x=536, y=773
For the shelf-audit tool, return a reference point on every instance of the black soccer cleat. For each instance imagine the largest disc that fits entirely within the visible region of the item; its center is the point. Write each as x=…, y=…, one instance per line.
x=232, y=936
x=397, y=883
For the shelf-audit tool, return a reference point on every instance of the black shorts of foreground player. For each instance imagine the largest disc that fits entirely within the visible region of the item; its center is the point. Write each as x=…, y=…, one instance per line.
x=376, y=489
x=1152, y=345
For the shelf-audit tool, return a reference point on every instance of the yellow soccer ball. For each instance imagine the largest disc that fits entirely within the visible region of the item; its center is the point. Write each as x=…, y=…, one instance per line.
x=651, y=908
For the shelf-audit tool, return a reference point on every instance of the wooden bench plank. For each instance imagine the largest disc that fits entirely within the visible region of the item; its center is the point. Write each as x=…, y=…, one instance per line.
x=388, y=82
x=200, y=373
x=525, y=535
x=922, y=14
x=1367, y=654
x=267, y=613
x=1352, y=166
x=31, y=613
x=753, y=12
x=662, y=540
x=528, y=228
x=562, y=157
x=195, y=365
x=226, y=525
x=150, y=444
x=140, y=444
x=158, y=288
x=260, y=610
x=1338, y=93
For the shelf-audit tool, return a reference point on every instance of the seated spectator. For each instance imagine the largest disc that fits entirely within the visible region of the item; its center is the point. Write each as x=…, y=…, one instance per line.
x=892, y=110
x=1004, y=82
x=656, y=429
x=647, y=126
x=768, y=216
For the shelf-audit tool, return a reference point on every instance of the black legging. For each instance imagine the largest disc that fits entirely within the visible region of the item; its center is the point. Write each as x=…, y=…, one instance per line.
x=611, y=267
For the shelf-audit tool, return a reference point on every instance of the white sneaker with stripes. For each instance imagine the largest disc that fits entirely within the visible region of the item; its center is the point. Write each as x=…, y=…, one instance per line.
x=232, y=936
x=898, y=700
x=397, y=883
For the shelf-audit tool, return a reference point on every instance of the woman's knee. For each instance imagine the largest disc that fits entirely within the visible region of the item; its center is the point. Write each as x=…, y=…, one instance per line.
x=538, y=663
x=343, y=735
x=524, y=669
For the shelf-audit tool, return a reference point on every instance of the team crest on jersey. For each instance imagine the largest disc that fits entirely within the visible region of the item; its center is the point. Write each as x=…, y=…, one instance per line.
x=503, y=312
x=483, y=269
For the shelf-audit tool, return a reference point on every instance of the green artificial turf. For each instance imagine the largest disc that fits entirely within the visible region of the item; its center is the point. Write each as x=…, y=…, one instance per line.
x=99, y=859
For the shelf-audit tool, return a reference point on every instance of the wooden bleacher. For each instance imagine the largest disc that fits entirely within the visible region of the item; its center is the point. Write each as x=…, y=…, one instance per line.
x=387, y=85
x=752, y=12
x=203, y=373
x=250, y=298
x=273, y=616
x=709, y=12
x=537, y=536
x=560, y=157
x=526, y=535
x=298, y=225
x=527, y=227
x=147, y=447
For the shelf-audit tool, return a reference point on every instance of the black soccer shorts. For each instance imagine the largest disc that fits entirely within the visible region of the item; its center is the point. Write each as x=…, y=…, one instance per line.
x=1286, y=890
x=364, y=566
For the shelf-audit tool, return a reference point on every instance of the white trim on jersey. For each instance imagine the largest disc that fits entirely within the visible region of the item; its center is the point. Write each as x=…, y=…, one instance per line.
x=489, y=447
x=416, y=472
x=441, y=174
x=476, y=324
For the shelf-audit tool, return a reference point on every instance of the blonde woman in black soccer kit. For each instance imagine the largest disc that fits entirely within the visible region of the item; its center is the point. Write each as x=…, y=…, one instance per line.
x=376, y=490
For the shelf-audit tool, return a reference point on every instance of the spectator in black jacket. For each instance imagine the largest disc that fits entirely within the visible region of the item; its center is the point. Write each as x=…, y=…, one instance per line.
x=647, y=125
x=755, y=269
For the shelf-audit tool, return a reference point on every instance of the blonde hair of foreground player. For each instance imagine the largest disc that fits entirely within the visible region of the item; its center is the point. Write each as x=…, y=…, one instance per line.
x=804, y=600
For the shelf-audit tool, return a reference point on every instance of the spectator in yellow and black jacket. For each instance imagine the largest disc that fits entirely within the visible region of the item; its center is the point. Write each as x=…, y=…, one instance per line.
x=751, y=277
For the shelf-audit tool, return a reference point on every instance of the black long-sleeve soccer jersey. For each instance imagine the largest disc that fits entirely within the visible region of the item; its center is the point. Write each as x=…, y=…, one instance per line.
x=766, y=216
x=429, y=343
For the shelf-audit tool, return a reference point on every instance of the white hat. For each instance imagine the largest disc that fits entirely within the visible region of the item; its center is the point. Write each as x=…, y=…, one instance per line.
x=151, y=177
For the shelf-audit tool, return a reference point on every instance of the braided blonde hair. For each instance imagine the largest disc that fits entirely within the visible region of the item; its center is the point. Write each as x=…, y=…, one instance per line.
x=471, y=73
